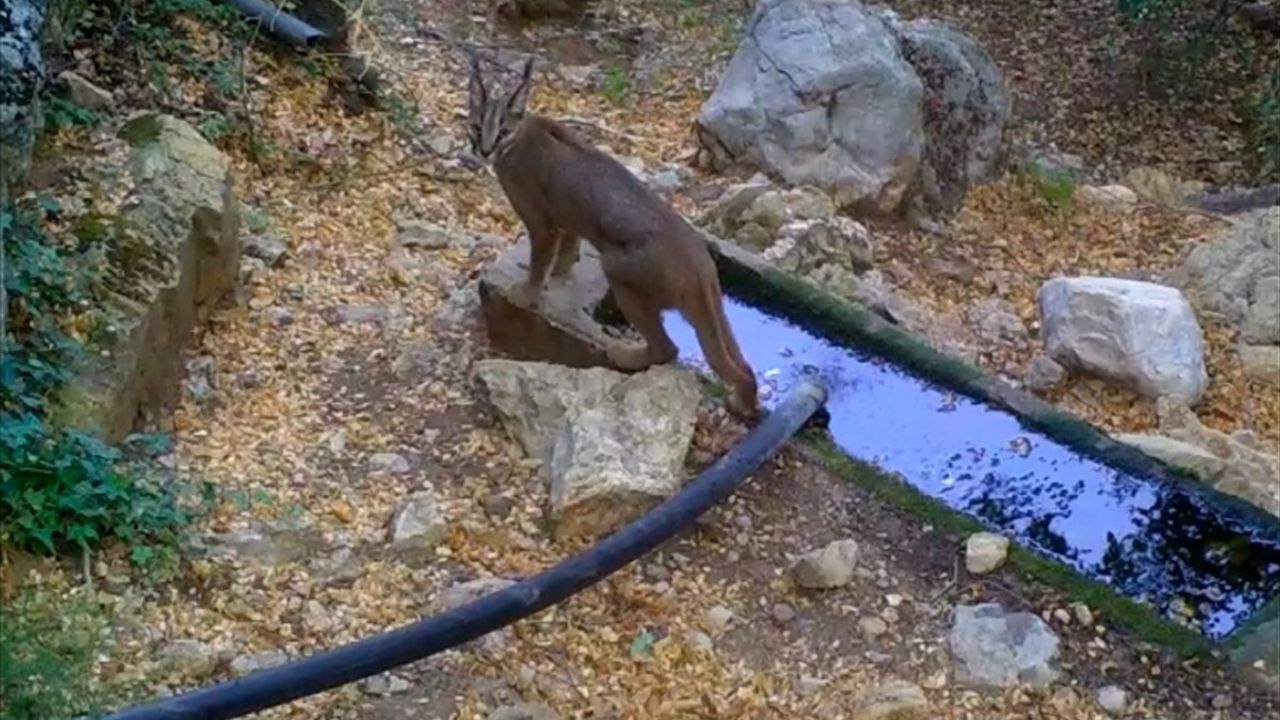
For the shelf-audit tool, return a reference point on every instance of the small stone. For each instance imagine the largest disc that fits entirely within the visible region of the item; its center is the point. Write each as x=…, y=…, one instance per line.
x=279, y=316
x=985, y=552
x=1062, y=616
x=1113, y=699
x=719, y=617
x=872, y=627
x=422, y=235
x=498, y=506
x=419, y=521
x=385, y=685
x=188, y=657
x=440, y=143
x=84, y=93
x=889, y=615
x=1083, y=614
x=810, y=684
x=894, y=600
x=393, y=463
x=1221, y=701
x=698, y=640
x=269, y=249
x=894, y=700
x=828, y=567
x=783, y=613
x=465, y=592
x=657, y=572
x=524, y=711
x=246, y=664
x=202, y=379
x=1044, y=373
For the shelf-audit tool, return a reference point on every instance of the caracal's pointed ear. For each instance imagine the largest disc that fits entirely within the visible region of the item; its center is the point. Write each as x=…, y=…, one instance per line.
x=520, y=95
x=476, y=96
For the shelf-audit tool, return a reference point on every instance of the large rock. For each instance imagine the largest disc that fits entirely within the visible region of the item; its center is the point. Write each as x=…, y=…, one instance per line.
x=965, y=110
x=22, y=77
x=174, y=256
x=835, y=94
x=819, y=93
x=995, y=648
x=1237, y=275
x=612, y=445
x=797, y=229
x=1136, y=333
x=1218, y=459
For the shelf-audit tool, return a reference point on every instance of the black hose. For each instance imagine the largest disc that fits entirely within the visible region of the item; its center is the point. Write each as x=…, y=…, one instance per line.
x=373, y=655
x=279, y=23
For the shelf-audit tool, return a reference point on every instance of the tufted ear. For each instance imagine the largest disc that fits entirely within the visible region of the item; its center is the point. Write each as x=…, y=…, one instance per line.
x=519, y=98
x=477, y=98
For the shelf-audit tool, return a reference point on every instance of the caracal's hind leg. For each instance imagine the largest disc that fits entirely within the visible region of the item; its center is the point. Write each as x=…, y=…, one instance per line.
x=646, y=318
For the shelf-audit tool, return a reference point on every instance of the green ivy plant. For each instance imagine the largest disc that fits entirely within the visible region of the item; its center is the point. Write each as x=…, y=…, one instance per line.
x=60, y=488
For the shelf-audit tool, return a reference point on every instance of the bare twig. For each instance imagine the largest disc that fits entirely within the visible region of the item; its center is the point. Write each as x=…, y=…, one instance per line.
x=246, y=98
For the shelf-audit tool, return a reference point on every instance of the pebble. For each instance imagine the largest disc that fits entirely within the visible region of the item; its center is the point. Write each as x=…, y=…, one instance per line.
x=498, y=506
x=827, y=567
x=1083, y=614
x=783, y=613
x=657, y=572
x=1221, y=701
x=279, y=316
x=393, y=463
x=889, y=615
x=1113, y=699
x=719, y=617
x=872, y=627
x=698, y=640
x=384, y=685
x=1062, y=616
x=985, y=552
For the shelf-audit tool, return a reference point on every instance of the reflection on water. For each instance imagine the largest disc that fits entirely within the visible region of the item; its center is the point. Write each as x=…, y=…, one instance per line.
x=1149, y=539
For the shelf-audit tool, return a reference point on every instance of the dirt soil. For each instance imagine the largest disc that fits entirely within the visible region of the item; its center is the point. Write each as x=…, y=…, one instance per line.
x=301, y=408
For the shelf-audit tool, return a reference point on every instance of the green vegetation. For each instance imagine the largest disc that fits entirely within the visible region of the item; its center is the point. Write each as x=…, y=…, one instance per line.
x=615, y=85
x=47, y=649
x=1057, y=189
x=60, y=488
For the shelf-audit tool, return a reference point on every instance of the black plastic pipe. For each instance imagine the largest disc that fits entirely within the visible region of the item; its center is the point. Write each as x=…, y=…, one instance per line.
x=373, y=655
x=279, y=23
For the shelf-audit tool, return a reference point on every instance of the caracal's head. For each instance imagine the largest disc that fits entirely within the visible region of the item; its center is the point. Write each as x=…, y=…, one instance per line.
x=492, y=118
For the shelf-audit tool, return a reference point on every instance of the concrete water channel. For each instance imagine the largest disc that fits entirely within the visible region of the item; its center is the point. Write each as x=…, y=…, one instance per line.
x=1185, y=551
x=1117, y=518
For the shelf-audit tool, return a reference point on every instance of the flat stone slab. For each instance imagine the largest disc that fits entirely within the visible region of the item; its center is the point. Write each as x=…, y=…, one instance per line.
x=562, y=330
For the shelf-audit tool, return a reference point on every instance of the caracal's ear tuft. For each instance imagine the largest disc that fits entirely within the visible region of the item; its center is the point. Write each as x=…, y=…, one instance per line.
x=519, y=99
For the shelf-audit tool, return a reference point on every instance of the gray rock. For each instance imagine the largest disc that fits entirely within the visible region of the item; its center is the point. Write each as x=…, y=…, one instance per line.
x=191, y=658
x=1049, y=163
x=1262, y=362
x=1044, y=373
x=895, y=700
x=872, y=627
x=279, y=316
x=995, y=321
x=1112, y=699
x=612, y=445
x=465, y=592
x=1114, y=198
x=994, y=648
x=270, y=249
x=247, y=664
x=84, y=93
x=524, y=711
x=827, y=567
x=1140, y=334
x=1237, y=275
x=183, y=258
x=1192, y=458
x=462, y=593
x=966, y=108
x=794, y=101
x=385, y=685
x=22, y=79
x=389, y=462
x=1247, y=472
x=419, y=523
x=783, y=613
x=202, y=379
x=363, y=314
x=421, y=235
x=271, y=544
x=984, y=552
x=719, y=618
